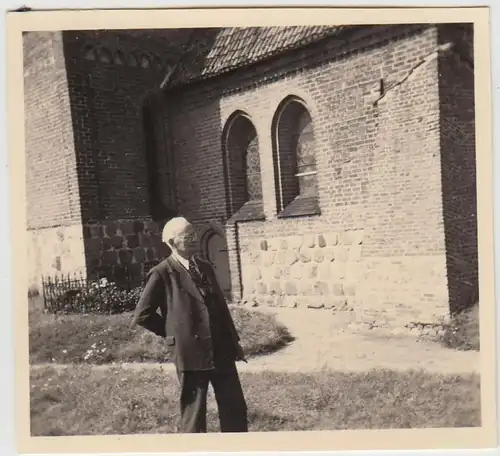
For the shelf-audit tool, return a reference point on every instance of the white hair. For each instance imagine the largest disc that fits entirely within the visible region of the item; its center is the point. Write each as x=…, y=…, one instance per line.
x=173, y=228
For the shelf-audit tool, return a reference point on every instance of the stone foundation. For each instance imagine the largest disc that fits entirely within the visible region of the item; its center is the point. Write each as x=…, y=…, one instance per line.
x=116, y=250
x=54, y=252
x=124, y=245
x=328, y=271
x=404, y=290
x=317, y=271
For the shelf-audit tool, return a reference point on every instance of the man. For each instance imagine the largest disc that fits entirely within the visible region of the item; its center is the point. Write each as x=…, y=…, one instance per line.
x=200, y=334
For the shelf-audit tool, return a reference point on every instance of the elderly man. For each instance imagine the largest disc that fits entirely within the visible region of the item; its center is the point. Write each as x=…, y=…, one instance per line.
x=199, y=331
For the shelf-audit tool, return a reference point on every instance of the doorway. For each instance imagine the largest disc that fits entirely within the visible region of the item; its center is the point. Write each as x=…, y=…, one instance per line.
x=217, y=254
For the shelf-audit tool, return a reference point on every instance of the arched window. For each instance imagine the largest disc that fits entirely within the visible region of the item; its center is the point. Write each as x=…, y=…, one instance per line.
x=294, y=157
x=242, y=167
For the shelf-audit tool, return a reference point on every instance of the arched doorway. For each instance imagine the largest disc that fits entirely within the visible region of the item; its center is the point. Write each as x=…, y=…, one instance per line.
x=216, y=252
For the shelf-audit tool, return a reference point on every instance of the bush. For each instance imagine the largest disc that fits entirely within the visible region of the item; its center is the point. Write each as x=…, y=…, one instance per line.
x=100, y=297
x=462, y=332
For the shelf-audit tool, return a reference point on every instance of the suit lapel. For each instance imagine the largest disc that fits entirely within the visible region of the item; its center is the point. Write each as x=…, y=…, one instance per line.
x=184, y=279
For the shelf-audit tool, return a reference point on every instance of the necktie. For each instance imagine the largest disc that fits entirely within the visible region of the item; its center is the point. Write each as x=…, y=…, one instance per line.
x=193, y=270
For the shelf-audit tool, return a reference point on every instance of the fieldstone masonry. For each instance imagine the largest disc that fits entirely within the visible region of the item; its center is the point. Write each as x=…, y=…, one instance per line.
x=66, y=254
x=123, y=248
x=312, y=270
x=328, y=271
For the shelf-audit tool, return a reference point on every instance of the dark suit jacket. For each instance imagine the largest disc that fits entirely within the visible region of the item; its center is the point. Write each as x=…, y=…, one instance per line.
x=183, y=316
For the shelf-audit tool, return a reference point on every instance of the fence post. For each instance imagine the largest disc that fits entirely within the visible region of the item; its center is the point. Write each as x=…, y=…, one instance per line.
x=43, y=293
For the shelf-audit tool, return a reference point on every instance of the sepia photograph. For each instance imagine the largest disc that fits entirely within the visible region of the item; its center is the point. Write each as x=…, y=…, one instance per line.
x=252, y=229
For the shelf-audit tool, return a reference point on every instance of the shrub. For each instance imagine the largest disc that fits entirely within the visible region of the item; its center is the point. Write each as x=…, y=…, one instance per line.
x=99, y=297
x=462, y=332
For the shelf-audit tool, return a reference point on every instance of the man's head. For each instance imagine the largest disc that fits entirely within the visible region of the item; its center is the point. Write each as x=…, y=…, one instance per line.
x=180, y=235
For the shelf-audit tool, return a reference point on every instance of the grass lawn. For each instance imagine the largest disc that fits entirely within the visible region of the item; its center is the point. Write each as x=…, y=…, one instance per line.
x=70, y=401
x=100, y=339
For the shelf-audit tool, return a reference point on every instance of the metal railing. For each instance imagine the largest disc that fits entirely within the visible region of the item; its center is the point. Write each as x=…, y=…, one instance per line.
x=104, y=295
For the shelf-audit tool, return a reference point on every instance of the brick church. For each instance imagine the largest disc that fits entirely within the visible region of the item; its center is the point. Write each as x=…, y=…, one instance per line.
x=325, y=167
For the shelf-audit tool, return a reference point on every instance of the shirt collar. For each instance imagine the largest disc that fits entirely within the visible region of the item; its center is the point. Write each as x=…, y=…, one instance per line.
x=180, y=259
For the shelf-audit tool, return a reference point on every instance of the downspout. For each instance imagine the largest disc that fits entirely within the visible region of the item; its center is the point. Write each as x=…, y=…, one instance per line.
x=238, y=262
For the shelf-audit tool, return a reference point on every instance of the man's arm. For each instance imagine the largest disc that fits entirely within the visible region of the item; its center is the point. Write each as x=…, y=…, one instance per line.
x=145, y=314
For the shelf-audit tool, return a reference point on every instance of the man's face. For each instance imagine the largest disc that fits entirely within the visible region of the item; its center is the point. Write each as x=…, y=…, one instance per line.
x=186, y=242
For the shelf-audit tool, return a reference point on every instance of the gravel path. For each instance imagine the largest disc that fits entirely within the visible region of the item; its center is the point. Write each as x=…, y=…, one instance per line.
x=322, y=340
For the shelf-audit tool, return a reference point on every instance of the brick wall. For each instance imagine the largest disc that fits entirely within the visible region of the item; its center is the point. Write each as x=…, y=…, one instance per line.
x=106, y=102
x=113, y=78
x=51, y=178
x=385, y=240
x=458, y=158
x=55, y=238
x=378, y=176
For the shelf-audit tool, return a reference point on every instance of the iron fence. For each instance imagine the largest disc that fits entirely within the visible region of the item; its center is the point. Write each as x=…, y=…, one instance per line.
x=109, y=292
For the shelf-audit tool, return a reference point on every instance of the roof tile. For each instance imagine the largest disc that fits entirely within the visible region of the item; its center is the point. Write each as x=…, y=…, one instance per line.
x=216, y=51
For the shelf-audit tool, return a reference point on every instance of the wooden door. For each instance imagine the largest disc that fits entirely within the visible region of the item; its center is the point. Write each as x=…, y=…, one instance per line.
x=217, y=254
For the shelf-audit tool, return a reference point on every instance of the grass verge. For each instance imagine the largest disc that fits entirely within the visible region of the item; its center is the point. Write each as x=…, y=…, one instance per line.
x=70, y=401
x=101, y=339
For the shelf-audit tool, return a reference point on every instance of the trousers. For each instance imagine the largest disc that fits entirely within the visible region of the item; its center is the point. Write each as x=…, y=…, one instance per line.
x=228, y=395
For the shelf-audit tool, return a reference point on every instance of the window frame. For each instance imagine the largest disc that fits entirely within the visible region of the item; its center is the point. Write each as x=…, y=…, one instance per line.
x=250, y=210
x=300, y=205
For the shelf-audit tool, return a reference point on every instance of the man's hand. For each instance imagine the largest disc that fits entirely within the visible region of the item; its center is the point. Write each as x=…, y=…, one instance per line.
x=240, y=355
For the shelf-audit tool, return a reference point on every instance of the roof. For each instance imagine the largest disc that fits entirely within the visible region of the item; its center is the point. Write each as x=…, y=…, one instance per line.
x=212, y=52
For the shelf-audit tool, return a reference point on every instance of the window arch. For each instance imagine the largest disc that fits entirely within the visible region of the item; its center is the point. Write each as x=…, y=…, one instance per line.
x=242, y=168
x=294, y=158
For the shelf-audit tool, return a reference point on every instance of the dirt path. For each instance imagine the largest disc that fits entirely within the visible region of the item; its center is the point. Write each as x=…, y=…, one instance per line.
x=322, y=341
